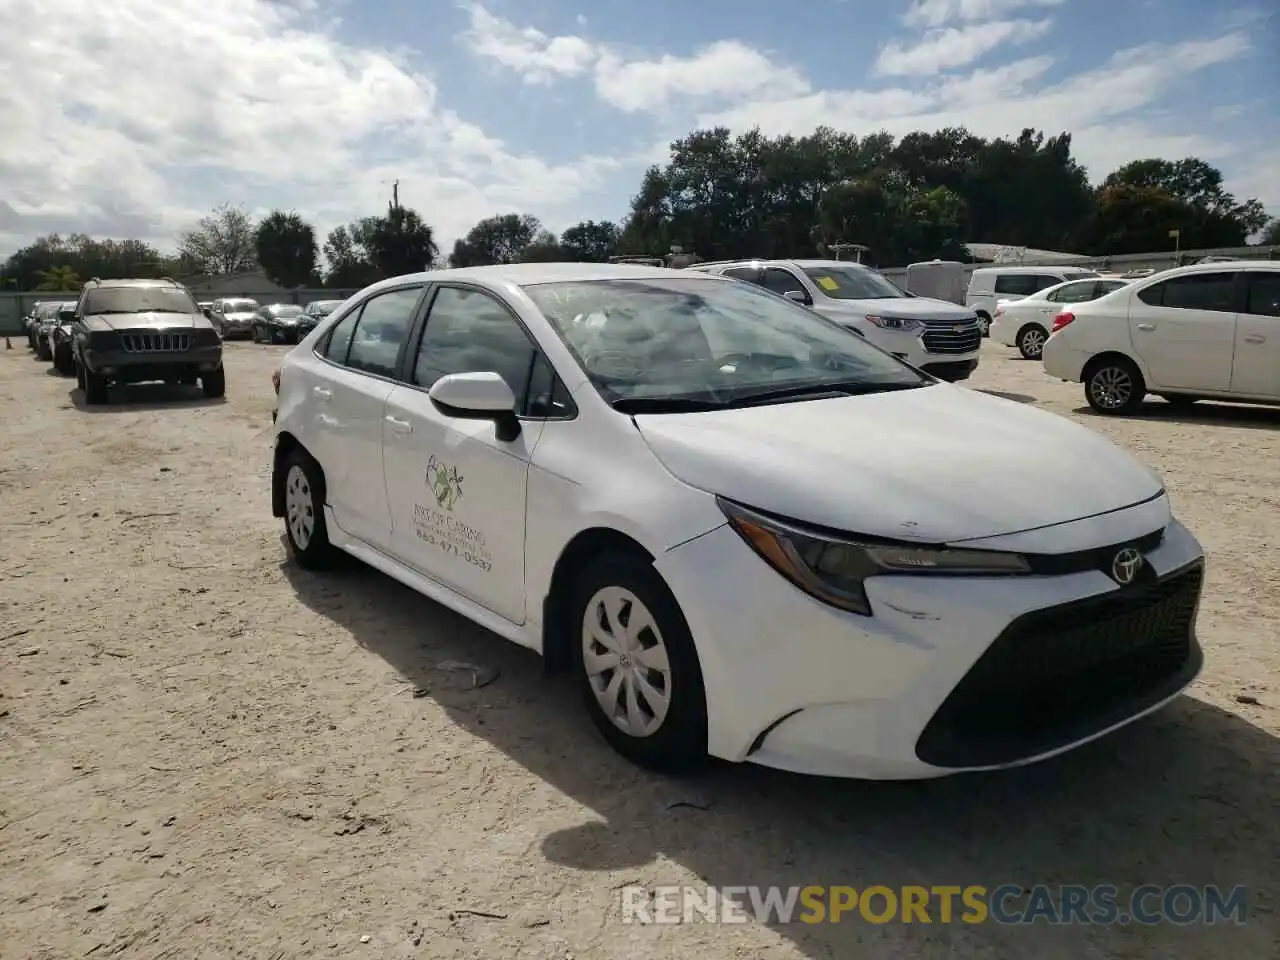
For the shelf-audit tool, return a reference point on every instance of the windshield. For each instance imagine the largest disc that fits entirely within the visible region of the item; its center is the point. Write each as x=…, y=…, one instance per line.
x=138, y=300
x=240, y=306
x=708, y=340
x=286, y=310
x=322, y=308
x=851, y=282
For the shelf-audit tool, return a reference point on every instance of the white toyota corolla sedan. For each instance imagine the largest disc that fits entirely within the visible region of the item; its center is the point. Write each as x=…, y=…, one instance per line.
x=747, y=532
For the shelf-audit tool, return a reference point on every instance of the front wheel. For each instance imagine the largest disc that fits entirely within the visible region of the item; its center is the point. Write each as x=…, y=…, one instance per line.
x=1114, y=386
x=984, y=324
x=214, y=383
x=63, y=362
x=95, y=387
x=637, y=667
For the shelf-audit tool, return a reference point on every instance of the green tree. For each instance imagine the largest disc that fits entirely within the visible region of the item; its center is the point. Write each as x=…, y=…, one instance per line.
x=1271, y=234
x=347, y=255
x=544, y=248
x=400, y=242
x=1213, y=217
x=62, y=279
x=223, y=243
x=498, y=239
x=286, y=248
x=590, y=241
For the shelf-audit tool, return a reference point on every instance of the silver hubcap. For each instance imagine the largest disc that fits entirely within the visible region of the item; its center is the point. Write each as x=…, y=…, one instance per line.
x=626, y=661
x=298, y=509
x=1111, y=387
x=1033, y=342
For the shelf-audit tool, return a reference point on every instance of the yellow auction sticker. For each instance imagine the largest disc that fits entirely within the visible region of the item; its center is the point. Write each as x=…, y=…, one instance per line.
x=826, y=283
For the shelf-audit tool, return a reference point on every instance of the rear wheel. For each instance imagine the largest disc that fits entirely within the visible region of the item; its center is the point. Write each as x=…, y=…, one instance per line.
x=1114, y=385
x=214, y=383
x=1031, y=340
x=304, y=524
x=63, y=362
x=637, y=667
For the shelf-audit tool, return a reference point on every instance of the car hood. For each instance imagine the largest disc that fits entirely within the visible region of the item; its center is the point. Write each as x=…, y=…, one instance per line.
x=915, y=308
x=135, y=321
x=938, y=464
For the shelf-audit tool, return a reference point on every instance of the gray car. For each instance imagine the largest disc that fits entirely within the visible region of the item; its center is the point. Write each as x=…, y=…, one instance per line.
x=233, y=317
x=133, y=331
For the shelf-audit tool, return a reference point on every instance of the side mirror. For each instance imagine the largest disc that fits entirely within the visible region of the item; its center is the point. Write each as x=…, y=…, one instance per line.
x=798, y=296
x=478, y=396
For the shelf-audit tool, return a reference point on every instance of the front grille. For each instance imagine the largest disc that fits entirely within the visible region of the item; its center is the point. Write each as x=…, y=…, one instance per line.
x=951, y=336
x=1058, y=675
x=155, y=342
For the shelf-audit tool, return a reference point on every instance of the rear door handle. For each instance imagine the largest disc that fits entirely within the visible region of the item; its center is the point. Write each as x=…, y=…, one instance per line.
x=399, y=426
x=323, y=393
x=1255, y=338
x=1146, y=326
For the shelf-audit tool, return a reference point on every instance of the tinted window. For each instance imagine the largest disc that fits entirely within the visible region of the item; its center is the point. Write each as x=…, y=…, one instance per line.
x=781, y=281
x=548, y=396
x=1264, y=294
x=1017, y=284
x=1109, y=286
x=381, y=330
x=1044, y=280
x=340, y=338
x=743, y=273
x=470, y=332
x=1074, y=292
x=1201, y=291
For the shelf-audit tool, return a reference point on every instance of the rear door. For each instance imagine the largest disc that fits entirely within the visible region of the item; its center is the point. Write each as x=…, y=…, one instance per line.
x=1256, y=371
x=1184, y=330
x=348, y=399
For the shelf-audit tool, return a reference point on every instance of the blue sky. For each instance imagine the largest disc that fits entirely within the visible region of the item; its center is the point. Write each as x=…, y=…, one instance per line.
x=554, y=107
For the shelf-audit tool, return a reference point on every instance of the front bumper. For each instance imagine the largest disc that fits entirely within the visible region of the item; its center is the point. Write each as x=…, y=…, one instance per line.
x=953, y=371
x=127, y=367
x=949, y=674
x=942, y=348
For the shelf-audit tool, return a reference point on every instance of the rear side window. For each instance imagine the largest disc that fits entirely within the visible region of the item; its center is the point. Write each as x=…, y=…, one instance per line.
x=1073, y=293
x=1044, y=281
x=381, y=330
x=1018, y=284
x=1199, y=291
x=1264, y=295
x=750, y=274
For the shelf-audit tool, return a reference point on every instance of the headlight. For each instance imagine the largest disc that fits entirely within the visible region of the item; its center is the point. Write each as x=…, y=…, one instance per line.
x=896, y=323
x=833, y=568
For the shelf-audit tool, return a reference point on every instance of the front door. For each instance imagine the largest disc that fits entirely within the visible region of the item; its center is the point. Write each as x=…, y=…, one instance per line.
x=1257, y=361
x=457, y=492
x=349, y=395
x=1183, y=329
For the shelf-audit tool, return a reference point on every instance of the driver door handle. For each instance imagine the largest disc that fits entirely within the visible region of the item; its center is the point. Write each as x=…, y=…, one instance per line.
x=1146, y=326
x=1254, y=338
x=398, y=425
x=324, y=393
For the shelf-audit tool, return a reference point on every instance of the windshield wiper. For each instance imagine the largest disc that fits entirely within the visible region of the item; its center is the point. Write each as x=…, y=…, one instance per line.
x=664, y=405
x=820, y=391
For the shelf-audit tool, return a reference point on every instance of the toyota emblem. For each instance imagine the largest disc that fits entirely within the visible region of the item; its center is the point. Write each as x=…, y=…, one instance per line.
x=1125, y=566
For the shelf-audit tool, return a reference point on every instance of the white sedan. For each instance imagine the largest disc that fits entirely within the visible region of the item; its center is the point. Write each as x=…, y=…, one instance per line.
x=745, y=530
x=1027, y=322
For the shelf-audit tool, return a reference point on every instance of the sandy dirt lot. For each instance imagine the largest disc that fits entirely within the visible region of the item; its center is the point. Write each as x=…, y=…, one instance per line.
x=205, y=751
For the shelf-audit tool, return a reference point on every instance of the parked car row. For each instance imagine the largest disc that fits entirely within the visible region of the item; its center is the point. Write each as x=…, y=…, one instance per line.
x=129, y=331
x=1210, y=331
x=237, y=317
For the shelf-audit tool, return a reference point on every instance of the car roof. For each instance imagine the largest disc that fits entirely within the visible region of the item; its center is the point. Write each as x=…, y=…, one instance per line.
x=1063, y=268
x=1218, y=266
x=524, y=274
x=127, y=282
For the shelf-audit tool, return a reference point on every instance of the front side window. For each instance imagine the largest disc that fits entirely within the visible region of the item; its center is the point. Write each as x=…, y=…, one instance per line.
x=468, y=331
x=707, y=341
x=381, y=330
x=750, y=274
x=849, y=281
x=1264, y=294
x=782, y=281
x=109, y=300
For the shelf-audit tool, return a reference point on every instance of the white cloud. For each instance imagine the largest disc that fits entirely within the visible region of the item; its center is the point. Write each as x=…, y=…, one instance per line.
x=946, y=49
x=936, y=13
x=538, y=58
x=134, y=119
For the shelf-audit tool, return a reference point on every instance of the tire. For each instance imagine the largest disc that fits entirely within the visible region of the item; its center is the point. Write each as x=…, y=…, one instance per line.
x=304, y=525
x=214, y=383
x=43, y=351
x=1031, y=340
x=79, y=375
x=95, y=388
x=984, y=323
x=678, y=741
x=1114, y=386
x=63, y=362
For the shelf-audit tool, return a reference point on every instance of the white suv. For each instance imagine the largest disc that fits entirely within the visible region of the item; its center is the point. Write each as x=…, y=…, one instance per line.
x=941, y=338
x=1209, y=331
